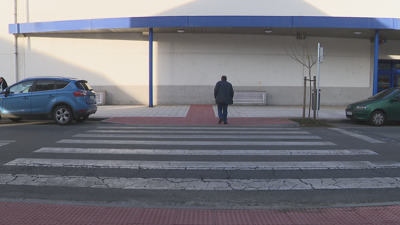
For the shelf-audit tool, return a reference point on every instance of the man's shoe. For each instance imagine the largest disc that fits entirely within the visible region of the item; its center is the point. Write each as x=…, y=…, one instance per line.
x=220, y=121
x=225, y=122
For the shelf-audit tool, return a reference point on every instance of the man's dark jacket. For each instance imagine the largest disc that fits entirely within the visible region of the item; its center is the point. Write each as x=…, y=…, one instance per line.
x=223, y=92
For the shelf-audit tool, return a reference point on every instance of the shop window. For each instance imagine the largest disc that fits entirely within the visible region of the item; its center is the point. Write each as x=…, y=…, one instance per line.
x=385, y=66
x=383, y=81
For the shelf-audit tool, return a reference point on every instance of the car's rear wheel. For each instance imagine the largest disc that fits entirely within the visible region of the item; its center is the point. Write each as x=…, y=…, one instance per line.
x=15, y=119
x=63, y=115
x=82, y=118
x=377, y=118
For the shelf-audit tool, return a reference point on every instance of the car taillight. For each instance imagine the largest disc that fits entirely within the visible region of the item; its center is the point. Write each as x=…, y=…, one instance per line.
x=80, y=93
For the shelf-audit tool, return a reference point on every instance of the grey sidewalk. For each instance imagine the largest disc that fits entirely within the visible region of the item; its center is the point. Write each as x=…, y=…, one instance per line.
x=109, y=111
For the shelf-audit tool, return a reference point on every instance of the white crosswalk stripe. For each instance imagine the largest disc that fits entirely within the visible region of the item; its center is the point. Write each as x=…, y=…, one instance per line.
x=198, y=128
x=197, y=142
x=200, y=132
x=203, y=165
x=197, y=136
x=362, y=137
x=203, y=152
x=200, y=184
x=213, y=143
x=5, y=142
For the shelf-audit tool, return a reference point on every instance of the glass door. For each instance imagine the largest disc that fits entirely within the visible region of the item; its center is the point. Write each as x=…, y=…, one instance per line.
x=384, y=74
x=388, y=74
x=397, y=80
x=383, y=82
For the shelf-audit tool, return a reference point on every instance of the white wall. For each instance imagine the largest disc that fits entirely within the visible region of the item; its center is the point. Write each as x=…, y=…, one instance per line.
x=104, y=59
x=192, y=59
x=6, y=41
x=256, y=60
x=50, y=10
x=347, y=62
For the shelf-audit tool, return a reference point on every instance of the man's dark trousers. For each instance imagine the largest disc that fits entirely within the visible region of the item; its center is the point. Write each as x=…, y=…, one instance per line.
x=223, y=111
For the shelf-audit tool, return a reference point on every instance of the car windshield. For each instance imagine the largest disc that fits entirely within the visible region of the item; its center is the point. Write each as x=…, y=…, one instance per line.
x=384, y=94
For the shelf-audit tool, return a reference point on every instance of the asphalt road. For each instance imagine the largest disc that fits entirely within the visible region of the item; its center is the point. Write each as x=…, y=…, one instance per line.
x=200, y=167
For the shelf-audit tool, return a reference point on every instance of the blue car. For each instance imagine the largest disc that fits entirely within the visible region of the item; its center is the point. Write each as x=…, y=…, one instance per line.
x=59, y=98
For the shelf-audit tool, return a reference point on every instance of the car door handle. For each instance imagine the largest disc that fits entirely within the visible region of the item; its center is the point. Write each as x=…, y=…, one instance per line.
x=25, y=98
x=51, y=96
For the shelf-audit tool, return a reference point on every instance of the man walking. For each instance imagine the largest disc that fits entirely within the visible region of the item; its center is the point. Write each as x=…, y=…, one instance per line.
x=223, y=94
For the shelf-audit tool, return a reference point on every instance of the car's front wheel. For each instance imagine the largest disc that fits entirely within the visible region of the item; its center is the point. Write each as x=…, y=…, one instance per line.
x=63, y=115
x=377, y=118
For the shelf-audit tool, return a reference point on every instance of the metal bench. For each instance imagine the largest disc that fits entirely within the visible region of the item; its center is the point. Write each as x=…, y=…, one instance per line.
x=250, y=98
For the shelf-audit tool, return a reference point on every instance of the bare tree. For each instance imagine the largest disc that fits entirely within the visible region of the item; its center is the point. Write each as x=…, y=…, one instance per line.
x=300, y=52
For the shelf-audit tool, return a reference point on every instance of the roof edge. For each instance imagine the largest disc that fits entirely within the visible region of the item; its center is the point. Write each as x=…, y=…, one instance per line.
x=206, y=21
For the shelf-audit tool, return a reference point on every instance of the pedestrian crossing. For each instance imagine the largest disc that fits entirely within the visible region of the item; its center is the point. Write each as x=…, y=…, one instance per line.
x=359, y=136
x=196, y=136
x=203, y=152
x=190, y=184
x=5, y=142
x=192, y=143
x=271, y=131
x=203, y=165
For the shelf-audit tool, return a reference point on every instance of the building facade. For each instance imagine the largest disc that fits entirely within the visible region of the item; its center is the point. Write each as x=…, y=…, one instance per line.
x=173, y=52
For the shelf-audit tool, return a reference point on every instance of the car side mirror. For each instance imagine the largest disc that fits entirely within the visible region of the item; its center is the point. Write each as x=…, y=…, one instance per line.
x=6, y=92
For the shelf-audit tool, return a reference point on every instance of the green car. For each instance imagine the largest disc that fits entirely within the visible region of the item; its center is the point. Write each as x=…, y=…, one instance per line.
x=378, y=109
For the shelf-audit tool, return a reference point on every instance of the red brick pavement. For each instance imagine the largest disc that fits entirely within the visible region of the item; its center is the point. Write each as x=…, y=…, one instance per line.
x=34, y=213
